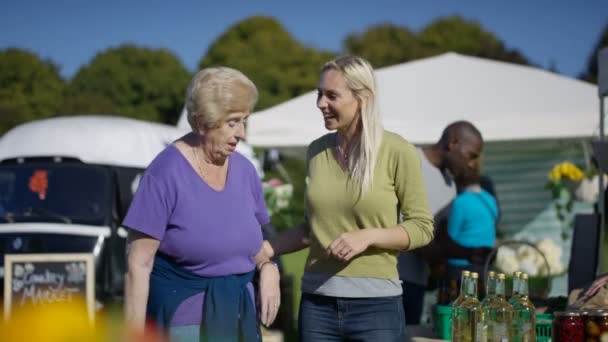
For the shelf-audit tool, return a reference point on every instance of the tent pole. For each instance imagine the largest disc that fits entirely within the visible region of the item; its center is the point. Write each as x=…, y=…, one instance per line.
x=601, y=118
x=601, y=199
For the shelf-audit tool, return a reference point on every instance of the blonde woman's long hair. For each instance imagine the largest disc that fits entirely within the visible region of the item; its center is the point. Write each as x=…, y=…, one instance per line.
x=362, y=155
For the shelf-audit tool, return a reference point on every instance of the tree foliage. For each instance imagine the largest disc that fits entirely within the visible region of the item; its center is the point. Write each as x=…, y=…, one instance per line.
x=467, y=37
x=389, y=44
x=384, y=45
x=263, y=50
x=132, y=81
x=30, y=88
x=591, y=71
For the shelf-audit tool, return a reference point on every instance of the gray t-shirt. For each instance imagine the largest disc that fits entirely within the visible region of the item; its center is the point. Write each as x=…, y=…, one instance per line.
x=440, y=190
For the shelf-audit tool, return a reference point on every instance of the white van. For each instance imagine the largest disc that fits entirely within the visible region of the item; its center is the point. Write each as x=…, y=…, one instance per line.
x=65, y=186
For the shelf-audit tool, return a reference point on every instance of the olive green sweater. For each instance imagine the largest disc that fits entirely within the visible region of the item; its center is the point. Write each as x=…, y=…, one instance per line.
x=334, y=206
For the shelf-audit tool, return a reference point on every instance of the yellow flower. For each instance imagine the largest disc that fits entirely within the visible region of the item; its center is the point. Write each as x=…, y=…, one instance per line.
x=566, y=170
x=555, y=176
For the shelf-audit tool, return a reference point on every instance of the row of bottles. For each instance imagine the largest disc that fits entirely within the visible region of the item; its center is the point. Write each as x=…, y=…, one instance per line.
x=494, y=319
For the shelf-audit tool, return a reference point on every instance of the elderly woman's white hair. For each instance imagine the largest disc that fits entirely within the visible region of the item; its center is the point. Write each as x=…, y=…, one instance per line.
x=216, y=92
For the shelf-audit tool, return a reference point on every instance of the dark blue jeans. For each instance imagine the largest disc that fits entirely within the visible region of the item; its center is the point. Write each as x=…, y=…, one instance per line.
x=413, y=301
x=351, y=319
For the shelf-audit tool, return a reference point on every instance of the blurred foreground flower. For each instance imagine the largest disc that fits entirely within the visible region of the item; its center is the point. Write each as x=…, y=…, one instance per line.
x=69, y=322
x=57, y=322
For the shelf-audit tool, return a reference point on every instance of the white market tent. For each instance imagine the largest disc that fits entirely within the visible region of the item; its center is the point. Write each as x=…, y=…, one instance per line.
x=418, y=99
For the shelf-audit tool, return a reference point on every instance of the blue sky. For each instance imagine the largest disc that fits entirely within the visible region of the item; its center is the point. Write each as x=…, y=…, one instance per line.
x=71, y=32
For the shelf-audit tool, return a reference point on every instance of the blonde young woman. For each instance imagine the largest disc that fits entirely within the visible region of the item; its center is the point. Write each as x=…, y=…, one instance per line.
x=365, y=202
x=195, y=237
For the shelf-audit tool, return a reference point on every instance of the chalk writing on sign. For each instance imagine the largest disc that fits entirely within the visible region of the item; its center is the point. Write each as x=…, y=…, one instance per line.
x=42, y=279
x=48, y=286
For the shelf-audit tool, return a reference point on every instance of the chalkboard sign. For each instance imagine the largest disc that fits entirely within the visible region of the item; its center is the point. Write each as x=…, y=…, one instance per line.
x=42, y=279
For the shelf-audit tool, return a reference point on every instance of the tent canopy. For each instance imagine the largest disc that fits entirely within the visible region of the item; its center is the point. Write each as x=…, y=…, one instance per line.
x=418, y=99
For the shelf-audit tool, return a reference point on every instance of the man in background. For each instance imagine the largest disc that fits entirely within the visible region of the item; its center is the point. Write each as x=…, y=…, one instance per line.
x=458, y=148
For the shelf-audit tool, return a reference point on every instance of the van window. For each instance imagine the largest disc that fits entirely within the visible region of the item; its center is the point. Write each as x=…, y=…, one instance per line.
x=70, y=193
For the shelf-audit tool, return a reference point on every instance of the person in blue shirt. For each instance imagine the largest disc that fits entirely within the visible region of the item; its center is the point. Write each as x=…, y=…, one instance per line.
x=472, y=220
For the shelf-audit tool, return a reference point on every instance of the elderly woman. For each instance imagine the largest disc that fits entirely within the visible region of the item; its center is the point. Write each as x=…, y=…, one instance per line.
x=194, y=224
x=365, y=202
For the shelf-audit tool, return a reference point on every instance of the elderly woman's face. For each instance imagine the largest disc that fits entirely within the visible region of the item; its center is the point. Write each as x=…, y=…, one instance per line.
x=336, y=101
x=223, y=139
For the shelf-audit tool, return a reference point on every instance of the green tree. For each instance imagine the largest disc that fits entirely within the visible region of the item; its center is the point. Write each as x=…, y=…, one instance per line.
x=467, y=37
x=87, y=103
x=263, y=50
x=132, y=81
x=591, y=72
x=388, y=44
x=30, y=88
x=384, y=45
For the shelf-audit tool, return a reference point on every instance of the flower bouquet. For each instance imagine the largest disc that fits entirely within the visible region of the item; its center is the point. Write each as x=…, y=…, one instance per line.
x=564, y=179
x=277, y=195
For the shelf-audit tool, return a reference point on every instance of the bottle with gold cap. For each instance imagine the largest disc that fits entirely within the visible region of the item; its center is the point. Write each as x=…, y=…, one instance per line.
x=499, y=315
x=490, y=290
x=490, y=296
x=515, y=291
x=524, y=314
x=464, y=278
x=469, y=316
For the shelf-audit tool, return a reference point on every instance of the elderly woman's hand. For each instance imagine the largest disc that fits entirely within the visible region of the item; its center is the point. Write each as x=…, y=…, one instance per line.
x=270, y=291
x=267, y=251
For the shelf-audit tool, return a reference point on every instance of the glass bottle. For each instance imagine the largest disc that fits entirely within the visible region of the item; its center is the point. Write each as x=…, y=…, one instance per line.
x=490, y=290
x=524, y=314
x=515, y=290
x=469, y=316
x=499, y=315
x=464, y=277
x=490, y=296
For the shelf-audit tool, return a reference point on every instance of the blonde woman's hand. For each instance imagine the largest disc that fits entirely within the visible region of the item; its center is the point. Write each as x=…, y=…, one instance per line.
x=348, y=245
x=270, y=291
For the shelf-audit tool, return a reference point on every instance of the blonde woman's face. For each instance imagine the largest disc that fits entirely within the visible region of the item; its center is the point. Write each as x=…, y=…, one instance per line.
x=336, y=101
x=222, y=140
